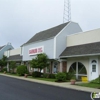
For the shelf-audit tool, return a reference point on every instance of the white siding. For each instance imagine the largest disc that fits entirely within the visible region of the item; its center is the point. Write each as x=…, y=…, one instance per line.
x=71, y=28
x=48, y=49
x=15, y=51
x=12, y=52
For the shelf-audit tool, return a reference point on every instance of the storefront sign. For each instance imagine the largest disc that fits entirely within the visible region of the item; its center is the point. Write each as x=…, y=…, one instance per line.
x=36, y=50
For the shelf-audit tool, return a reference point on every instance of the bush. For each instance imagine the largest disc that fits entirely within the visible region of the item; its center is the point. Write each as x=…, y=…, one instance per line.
x=4, y=69
x=60, y=77
x=36, y=74
x=21, y=70
x=69, y=76
x=45, y=75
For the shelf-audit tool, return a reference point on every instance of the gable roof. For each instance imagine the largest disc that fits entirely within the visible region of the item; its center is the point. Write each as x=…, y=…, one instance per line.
x=1, y=47
x=85, y=49
x=49, y=33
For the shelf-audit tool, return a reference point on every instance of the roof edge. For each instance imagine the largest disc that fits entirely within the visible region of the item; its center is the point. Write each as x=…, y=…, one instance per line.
x=37, y=41
x=96, y=54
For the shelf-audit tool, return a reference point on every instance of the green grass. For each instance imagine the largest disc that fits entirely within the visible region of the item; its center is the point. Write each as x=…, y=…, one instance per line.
x=12, y=74
x=44, y=79
x=91, y=85
x=9, y=74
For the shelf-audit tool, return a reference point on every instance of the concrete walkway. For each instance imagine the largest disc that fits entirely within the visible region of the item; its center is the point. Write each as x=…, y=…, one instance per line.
x=63, y=85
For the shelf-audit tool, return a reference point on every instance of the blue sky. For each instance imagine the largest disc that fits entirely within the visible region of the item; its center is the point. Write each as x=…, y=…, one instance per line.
x=21, y=19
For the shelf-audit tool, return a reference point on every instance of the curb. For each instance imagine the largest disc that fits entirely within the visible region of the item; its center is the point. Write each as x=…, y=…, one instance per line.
x=89, y=90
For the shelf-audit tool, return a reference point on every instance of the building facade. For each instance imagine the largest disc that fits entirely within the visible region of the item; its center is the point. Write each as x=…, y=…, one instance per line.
x=51, y=42
x=14, y=55
x=68, y=49
x=82, y=54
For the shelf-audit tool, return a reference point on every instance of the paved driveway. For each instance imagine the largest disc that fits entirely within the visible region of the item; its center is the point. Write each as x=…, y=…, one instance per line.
x=14, y=89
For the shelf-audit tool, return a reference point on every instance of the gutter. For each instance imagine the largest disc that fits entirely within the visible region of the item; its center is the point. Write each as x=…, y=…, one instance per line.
x=80, y=55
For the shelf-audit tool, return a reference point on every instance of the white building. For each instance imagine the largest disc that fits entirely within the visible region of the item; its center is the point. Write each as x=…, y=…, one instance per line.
x=83, y=54
x=52, y=42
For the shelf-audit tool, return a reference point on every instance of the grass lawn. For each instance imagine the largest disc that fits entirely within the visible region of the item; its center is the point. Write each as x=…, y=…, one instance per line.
x=12, y=74
x=91, y=85
x=44, y=79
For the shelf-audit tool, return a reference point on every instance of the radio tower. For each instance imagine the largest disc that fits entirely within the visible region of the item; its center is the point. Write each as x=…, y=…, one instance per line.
x=67, y=11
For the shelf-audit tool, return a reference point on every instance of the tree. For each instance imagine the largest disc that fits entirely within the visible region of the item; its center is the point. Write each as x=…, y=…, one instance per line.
x=41, y=61
x=12, y=65
x=3, y=62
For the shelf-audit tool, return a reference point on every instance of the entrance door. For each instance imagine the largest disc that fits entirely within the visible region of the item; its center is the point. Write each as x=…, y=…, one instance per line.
x=94, y=69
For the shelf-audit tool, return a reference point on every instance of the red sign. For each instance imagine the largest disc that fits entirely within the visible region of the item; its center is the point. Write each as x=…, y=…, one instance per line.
x=37, y=50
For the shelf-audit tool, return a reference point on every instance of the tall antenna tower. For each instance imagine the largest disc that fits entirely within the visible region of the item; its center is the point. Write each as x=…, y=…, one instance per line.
x=67, y=11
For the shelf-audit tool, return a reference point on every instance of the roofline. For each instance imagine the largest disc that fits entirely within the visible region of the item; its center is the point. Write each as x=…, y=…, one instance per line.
x=3, y=47
x=80, y=55
x=38, y=41
x=50, y=37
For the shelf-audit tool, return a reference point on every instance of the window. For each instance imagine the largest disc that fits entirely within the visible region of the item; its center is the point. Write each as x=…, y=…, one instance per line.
x=93, y=68
x=94, y=61
x=78, y=69
x=55, y=67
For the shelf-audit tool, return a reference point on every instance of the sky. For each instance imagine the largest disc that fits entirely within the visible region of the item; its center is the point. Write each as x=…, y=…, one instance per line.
x=22, y=19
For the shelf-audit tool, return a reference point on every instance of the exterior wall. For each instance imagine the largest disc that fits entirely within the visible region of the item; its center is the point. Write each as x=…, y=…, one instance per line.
x=48, y=49
x=5, y=48
x=84, y=38
x=83, y=60
x=61, y=38
x=99, y=65
x=13, y=52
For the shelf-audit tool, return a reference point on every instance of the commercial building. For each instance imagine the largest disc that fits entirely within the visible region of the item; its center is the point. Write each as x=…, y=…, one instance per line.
x=52, y=42
x=82, y=54
x=14, y=55
x=68, y=48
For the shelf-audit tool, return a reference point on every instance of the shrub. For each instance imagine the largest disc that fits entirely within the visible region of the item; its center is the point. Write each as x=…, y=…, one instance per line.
x=45, y=75
x=60, y=77
x=4, y=69
x=36, y=74
x=69, y=75
x=21, y=70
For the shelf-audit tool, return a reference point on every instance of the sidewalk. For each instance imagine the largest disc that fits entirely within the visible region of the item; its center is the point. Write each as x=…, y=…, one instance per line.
x=63, y=85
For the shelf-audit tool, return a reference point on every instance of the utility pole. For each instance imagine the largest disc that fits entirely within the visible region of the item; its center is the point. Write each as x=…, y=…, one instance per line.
x=67, y=11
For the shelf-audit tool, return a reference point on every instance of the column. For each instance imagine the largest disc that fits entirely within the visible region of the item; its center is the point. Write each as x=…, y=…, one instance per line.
x=51, y=67
x=60, y=66
x=7, y=66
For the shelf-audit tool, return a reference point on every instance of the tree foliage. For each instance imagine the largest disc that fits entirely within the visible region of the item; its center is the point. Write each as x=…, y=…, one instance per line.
x=3, y=61
x=40, y=61
x=12, y=65
x=21, y=70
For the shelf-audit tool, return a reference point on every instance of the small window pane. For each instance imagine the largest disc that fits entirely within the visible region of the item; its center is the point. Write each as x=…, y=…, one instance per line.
x=93, y=68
